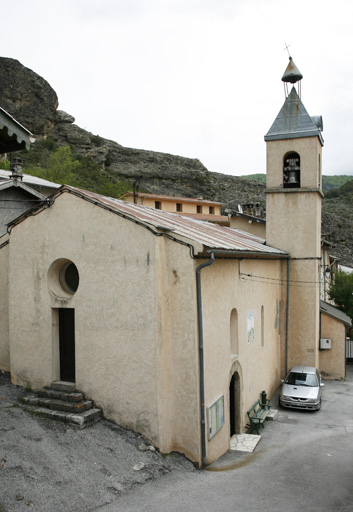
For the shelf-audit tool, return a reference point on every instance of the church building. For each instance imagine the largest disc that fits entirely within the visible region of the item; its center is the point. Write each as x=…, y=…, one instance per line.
x=172, y=326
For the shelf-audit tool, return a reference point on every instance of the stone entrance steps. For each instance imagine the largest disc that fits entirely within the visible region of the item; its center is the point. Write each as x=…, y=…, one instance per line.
x=62, y=402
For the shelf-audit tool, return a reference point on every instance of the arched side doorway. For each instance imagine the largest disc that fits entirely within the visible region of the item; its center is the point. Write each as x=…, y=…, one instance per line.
x=235, y=401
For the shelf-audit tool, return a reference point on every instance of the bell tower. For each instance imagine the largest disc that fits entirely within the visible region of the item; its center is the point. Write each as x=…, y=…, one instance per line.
x=293, y=215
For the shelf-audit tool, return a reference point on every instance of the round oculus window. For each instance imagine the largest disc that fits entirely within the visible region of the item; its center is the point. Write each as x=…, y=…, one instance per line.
x=69, y=277
x=63, y=279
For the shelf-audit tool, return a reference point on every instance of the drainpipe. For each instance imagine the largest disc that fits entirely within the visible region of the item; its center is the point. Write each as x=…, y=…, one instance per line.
x=202, y=375
x=287, y=320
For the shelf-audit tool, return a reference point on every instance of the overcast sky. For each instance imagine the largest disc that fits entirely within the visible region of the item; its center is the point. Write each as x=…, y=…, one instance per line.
x=196, y=78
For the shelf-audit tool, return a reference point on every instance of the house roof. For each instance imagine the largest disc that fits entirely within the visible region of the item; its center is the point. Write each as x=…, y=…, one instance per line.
x=207, y=217
x=253, y=218
x=347, y=270
x=178, y=199
x=336, y=313
x=213, y=237
x=29, y=180
x=13, y=136
x=293, y=121
x=19, y=185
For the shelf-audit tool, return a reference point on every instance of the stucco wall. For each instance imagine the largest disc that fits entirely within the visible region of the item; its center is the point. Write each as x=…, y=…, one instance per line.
x=115, y=308
x=333, y=361
x=257, y=361
x=135, y=318
x=293, y=222
x=256, y=228
x=178, y=375
x=309, y=149
x=4, y=306
x=304, y=313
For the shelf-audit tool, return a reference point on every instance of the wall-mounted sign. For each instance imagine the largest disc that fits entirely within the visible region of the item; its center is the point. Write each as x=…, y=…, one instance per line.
x=215, y=417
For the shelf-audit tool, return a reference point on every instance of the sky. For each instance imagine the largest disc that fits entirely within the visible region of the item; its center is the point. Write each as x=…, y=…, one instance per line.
x=195, y=78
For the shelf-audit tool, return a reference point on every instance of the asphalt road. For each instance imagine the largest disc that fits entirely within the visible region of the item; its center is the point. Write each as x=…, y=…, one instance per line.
x=302, y=463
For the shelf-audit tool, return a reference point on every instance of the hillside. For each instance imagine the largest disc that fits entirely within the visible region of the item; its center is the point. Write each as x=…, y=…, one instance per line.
x=110, y=168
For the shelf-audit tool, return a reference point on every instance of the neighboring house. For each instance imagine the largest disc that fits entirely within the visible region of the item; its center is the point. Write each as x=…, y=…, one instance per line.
x=44, y=187
x=174, y=326
x=18, y=192
x=247, y=220
x=13, y=136
x=16, y=197
x=334, y=325
x=348, y=270
x=328, y=265
x=199, y=208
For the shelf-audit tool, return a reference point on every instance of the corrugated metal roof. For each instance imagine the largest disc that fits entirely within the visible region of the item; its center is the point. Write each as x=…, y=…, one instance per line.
x=212, y=236
x=207, y=217
x=30, y=180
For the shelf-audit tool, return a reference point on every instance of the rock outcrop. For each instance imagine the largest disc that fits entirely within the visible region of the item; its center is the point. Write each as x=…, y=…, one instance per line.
x=27, y=97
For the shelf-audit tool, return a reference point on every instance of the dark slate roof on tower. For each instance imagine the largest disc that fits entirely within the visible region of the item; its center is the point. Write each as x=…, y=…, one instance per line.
x=293, y=121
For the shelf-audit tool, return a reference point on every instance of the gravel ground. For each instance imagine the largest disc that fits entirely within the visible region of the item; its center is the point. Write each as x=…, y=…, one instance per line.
x=49, y=466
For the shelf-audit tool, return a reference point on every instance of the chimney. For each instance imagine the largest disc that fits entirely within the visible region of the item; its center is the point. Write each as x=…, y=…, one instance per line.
x=16, y=168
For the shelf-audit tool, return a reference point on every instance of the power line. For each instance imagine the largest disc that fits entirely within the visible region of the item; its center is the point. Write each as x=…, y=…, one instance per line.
x=276, y=280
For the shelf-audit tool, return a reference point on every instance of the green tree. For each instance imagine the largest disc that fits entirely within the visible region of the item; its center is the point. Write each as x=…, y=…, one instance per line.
x=5, y=164
x=341, y=291
x=62, y=165
x=59, y=168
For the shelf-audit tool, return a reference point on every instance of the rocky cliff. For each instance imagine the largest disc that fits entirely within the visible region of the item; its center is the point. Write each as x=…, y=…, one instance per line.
x=33, y=102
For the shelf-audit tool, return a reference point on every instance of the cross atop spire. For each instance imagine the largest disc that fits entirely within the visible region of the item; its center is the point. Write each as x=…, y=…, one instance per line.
x=287, y=48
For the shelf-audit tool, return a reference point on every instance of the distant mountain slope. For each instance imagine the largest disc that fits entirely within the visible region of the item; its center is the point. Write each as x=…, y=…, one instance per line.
x=344, y=192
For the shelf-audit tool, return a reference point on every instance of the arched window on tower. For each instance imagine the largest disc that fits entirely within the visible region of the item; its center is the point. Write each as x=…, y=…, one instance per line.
x=291, y=171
